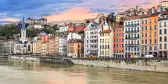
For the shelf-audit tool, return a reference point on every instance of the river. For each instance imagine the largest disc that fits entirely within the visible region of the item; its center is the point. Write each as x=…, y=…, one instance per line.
x=22, y=72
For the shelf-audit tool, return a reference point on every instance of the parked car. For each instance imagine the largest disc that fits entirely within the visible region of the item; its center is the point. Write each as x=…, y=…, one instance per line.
x=148, y=56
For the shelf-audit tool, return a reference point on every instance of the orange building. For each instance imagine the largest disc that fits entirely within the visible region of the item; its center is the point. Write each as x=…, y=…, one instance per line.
x=75, y=48
x=118, y=40
x=51, y=44
x=149, y=34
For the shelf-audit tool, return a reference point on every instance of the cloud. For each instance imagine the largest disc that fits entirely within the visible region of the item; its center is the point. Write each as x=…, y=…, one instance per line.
x=72, y=14
x=56, y=10
x=18, y=15
x=7, y=19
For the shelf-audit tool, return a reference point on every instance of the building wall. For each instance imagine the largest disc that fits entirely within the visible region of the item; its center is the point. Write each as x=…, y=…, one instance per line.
x=118, y=41
x=105, y=40
x=132, y=37
x=91, y=40
x=44, y=48
x=63, y=29
x=163, y=35
x=75, y=49
x=149, y=35
x=57, y=44
x=63, y=45
x=164, y=3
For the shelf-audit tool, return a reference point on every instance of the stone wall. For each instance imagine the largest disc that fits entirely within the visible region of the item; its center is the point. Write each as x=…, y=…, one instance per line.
x=144, y=65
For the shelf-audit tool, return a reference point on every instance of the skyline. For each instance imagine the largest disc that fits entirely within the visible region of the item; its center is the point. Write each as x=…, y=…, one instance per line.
x=56, y=11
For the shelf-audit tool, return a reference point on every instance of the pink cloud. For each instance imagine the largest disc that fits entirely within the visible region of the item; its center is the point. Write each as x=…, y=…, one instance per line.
x=7, y=19
x=72, y=14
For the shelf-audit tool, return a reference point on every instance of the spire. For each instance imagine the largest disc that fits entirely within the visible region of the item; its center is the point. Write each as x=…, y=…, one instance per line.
x=23, y=24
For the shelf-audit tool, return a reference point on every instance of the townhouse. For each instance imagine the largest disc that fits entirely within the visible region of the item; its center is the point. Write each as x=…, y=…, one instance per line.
x=118, y=38
x=132, y=37
x=105, y=40
x=163, y=34
x=75, y=48
x=91, y=39
x=149, y=34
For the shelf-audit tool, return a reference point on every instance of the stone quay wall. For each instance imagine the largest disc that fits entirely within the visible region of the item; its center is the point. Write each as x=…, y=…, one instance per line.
x=156, y=65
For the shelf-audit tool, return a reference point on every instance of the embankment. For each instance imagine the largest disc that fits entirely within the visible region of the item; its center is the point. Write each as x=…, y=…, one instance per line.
x=154, y=64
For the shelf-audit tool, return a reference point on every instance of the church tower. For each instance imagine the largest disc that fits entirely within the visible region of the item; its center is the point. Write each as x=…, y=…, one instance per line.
x=23, y=32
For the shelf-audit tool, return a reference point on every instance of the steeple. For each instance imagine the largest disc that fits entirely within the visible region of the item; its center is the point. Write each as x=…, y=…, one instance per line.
x=23, y=24
x=23, y=29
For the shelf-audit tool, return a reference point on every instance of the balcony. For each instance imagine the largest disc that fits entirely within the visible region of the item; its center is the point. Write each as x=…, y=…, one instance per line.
x=132, y=25
x=135, y=31
x=135, y=44
x=132, y=38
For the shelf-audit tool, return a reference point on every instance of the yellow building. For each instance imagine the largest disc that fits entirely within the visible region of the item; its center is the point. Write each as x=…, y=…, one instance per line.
x=75, y=48
x=164, y=3
x=149, y=34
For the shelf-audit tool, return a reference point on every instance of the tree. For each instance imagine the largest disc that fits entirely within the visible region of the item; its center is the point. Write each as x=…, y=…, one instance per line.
x=81, y=32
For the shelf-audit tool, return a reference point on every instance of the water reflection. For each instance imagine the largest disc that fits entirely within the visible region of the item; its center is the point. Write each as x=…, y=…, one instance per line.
x=24, y=72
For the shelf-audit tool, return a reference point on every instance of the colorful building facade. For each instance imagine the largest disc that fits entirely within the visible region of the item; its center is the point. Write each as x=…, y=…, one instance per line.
x=91, y=40
x=75, y=48
x=118, y=39
x=105, y=40
x=163, y=34
x=132, y=37
x=149, y=35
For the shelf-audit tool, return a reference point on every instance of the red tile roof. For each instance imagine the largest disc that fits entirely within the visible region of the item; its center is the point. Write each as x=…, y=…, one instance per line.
x=107, y=31
x=165, y=13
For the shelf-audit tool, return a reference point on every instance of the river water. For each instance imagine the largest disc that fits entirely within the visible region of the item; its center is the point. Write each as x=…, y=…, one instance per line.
x=21, y=72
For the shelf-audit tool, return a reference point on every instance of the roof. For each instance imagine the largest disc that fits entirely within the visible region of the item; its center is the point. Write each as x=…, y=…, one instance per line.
x=133, y=17
x=43, y=33
x=165, y=13
x=107, y=31
x=147, y=15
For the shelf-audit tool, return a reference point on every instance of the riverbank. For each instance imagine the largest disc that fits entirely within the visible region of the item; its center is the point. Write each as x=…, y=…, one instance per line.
x=142, y=65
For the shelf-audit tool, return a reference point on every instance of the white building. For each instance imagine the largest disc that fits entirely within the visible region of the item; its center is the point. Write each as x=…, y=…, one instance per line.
x=164, y=4
x=91, y=40
x=36, y=23
x=105, y=40
x=163, y=34
x=63, y=46
x=63, y=29
x=74, y=36
x=132, y=36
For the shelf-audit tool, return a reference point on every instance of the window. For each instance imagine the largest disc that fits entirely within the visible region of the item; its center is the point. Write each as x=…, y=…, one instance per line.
x=138, y=28
x=150, y=27
x=164, y=24
x=165, y=31
x=165, y=38
x=155, y=41
x=155, y=27
x=142, y=34
x=155, y=34
x=160, y=31
x=142, y=28
x=150, y=48
x=165, y=46
x=142, y=41
x=146, y=35
x=146, y=27
x=160, y=24
x=142, y=22
x=160, y=46
x=146, y=21
x=160, y=39
x=146, y=41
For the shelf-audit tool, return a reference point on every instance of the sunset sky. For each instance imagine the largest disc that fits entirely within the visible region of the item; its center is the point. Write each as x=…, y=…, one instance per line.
x=65, y=10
